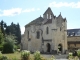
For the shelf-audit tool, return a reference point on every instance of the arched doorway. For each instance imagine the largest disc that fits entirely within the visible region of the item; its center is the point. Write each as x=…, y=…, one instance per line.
x=60, y=47
x=48, y=47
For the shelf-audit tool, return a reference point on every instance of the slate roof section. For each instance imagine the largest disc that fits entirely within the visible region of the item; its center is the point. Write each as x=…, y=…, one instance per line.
x=48, y=21
x=37, y=21
x=71, y=31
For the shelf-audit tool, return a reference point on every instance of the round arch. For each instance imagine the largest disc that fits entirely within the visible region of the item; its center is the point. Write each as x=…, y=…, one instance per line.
x=48, y=47
x=60, y=47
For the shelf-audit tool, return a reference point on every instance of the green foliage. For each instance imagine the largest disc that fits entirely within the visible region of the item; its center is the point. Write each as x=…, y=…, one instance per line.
x=70, y=56
x=3, y=57
x=1, y=47
x=14, y=58
x=78, y=52
x=2, y=27
x=37, y=55
x=10, y=29
x=1, y=37
x=14, y=29
x=52, y=58
x=18, y=34
x=15, y=47
x=18, y=46
x=25, y=55
x=8, y=46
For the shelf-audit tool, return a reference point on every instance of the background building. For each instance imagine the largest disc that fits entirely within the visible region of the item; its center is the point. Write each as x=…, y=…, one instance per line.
x=73, y=37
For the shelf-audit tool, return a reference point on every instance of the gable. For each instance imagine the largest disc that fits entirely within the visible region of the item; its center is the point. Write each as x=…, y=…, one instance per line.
x=48, y=11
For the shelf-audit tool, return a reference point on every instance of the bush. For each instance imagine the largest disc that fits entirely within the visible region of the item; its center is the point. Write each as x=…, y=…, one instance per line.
x=78, y=52
x=7, y=48
x=15, y=47
x=37, y=55
x=75, y=53
x=1, y=47
x=70, y=56
x=18, y=46
x=53, y=58
x=3, y=57
x=14, y=58
x=25, y=55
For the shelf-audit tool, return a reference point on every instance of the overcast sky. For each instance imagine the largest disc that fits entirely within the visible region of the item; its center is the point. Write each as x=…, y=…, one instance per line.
x=24, y=11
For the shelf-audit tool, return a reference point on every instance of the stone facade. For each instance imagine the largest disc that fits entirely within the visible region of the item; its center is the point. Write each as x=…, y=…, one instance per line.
x=46, y=34
x=73, y=42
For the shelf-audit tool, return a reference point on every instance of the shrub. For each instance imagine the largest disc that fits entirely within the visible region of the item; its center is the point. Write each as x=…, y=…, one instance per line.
x=25, y=55
x=78, y=52
x=1, y=47
x=75, y=53
x=7, y=48
x=3, y=57
x=53, y=58
x=14, y=58
x=70, y=56
x=15, y=47
x=37, y=55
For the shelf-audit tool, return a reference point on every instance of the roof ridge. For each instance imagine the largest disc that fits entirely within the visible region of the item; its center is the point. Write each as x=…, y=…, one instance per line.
x=47, y=10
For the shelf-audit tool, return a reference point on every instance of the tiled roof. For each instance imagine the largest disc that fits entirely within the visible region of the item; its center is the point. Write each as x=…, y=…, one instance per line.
x=48, y=21
x=71, y=31
x=37, y=21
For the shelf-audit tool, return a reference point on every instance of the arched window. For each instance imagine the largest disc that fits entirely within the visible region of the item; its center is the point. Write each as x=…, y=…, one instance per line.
x=28, y=34
x=50, y=16
x=38, y=35
x=60, y=28
x=47, y=30
x=47, y=16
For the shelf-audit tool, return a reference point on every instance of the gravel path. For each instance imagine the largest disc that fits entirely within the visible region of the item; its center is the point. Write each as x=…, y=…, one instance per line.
x=56, y=56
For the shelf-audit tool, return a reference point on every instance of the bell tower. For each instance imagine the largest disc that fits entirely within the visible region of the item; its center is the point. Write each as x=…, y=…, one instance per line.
x=48, y=14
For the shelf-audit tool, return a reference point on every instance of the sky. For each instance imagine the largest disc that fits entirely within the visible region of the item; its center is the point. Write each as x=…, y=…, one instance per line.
x=24, y=11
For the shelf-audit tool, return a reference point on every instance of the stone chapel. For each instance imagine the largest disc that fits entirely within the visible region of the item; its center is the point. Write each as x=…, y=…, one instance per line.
x=46, y=34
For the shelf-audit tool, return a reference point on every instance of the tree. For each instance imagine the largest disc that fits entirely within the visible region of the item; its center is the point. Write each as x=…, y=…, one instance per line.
x=1, y=37
x=13, y=29
x=2, y=27
x=18, y=34
x=1, y=40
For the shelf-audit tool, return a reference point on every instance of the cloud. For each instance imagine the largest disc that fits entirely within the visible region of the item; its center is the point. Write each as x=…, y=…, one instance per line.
x=11, y=12
x=16, y=11
x=64, y=4
x=22, y=30
x=38, y=8
x=31, y=10
x=0, y=10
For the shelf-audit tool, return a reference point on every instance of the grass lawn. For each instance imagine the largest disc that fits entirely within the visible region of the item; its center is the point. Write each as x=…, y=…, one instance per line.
x=17, y=55
x=13, y=55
